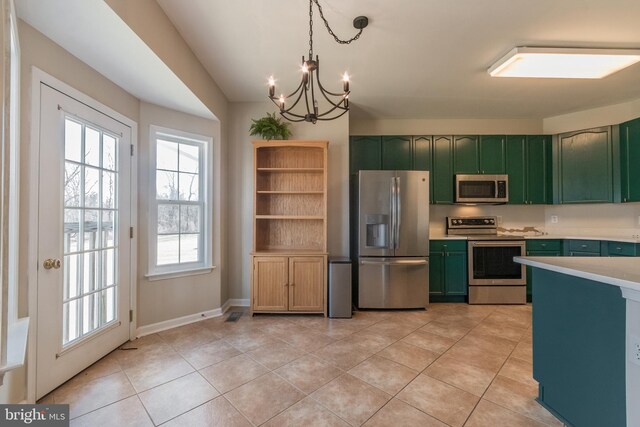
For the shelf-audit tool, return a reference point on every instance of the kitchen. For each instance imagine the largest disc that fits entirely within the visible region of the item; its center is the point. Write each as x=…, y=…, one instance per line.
x=446, y=115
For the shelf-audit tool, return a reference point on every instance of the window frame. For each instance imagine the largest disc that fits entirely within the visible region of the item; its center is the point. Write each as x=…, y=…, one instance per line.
x=204, y=265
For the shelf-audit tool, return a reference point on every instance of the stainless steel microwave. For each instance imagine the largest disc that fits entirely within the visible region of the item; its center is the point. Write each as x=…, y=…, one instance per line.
x=482, y=189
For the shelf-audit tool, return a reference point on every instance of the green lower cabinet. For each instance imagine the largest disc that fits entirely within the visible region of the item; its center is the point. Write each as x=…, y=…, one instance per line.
x=619, y=249
x=455, y=268
x=541, y=247
x=448, y=271
x=576, y=247
x=436, y=273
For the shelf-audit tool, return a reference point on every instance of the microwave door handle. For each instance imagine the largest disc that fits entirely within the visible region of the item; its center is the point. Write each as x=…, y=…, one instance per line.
x=398, y=212
x=495, y=189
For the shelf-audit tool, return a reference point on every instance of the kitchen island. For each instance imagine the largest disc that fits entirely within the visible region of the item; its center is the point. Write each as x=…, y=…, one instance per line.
x=585, y=317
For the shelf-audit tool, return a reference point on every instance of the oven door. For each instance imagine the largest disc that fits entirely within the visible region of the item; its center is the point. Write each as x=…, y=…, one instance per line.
x=491, y=263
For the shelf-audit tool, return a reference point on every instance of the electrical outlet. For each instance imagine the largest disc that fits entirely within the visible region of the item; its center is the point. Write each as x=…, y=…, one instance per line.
x=634, y=349
x=554, y=219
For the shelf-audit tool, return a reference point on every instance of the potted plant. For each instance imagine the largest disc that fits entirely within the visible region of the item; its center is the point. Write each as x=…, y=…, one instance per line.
x=270, y=127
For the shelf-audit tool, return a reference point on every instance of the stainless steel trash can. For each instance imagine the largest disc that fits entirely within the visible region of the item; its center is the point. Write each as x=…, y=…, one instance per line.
x=340, y=287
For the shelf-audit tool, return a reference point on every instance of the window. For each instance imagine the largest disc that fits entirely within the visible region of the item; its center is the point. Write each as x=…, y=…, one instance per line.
x=180, y=227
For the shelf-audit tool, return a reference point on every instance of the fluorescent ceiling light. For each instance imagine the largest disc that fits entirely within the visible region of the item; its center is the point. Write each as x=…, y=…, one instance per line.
x=563, y=63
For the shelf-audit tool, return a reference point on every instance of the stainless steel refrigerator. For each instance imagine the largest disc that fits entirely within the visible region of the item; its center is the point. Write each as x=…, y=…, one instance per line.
x=393, y=239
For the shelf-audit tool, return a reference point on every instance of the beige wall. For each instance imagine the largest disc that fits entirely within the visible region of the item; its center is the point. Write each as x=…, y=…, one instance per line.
x=602, y=116
x=167, y=299
x=241, y=187
x=444, y=126
x=147, y=19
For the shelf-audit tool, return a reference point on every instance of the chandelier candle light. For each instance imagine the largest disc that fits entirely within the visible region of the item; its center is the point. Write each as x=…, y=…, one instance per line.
x=310, y=83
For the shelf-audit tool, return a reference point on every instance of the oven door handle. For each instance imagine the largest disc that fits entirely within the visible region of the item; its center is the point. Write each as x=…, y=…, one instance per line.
x=498, y=243
x=398, y=262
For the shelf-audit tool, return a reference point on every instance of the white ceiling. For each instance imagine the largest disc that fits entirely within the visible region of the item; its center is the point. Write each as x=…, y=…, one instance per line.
x=94, y=33
x=417, y=58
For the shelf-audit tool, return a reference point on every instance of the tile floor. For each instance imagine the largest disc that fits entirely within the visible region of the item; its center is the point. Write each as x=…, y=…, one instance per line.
x=452, y=365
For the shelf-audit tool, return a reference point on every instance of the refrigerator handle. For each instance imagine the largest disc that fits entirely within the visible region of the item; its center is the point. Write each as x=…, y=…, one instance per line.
x=392, y=211
x=398, y=212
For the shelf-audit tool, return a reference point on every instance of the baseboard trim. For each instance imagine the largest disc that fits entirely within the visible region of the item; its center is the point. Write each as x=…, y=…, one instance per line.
x=179, y=321
x=236, y=302
x=191, y=318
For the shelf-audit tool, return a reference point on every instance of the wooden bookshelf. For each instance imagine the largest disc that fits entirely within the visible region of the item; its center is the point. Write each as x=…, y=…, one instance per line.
x=290, y=227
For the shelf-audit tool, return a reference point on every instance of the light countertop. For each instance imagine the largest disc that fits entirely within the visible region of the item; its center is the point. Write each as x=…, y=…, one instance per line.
x=552, y=236
x=618, y=271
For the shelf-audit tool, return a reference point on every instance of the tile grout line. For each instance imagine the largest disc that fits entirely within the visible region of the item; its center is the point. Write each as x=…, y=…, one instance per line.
x=423, y=371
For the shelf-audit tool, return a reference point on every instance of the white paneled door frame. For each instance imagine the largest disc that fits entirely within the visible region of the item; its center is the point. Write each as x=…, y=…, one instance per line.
x=39, y=77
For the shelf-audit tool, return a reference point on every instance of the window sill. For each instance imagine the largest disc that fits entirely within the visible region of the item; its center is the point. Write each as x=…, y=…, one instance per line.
x=17, y=334
x=152, y=277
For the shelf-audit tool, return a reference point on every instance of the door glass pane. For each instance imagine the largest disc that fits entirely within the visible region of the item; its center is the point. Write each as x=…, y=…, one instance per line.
x=90, y=230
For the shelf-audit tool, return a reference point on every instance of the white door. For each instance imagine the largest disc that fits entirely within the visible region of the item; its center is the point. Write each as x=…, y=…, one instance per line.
x=84, y=246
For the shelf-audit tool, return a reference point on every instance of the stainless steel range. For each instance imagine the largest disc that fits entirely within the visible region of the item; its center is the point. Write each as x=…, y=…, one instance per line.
x=494, y=278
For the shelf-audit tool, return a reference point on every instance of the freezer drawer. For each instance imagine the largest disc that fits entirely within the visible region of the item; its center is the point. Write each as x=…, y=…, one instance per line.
x=393, y=282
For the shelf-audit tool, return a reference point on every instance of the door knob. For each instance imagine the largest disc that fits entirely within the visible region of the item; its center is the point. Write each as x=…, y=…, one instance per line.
x=51, y=263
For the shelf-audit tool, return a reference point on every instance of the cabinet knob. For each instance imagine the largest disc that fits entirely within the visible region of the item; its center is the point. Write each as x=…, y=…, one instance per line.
x=543, y=244
x=583, y=246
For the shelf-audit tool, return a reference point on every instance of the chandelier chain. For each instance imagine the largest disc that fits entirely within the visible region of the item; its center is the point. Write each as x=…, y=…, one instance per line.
x=310, y=30
x=326, y=23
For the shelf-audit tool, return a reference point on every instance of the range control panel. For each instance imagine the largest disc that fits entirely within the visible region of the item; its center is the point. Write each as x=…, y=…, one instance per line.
x=472, y=224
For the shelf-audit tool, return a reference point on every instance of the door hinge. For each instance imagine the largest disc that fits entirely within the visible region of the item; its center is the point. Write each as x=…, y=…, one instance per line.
x=130, y=316
x=132, y=149
x=131, y=232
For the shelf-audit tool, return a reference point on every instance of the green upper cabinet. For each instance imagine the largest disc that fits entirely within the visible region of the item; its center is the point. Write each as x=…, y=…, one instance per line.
x=479, y=154
x=539, y=182
x=365, y=153
x=492, y=154
x=630, y=161
x=442, y=171
x=422, y=159
x=528, y=164
x=516, y=155
x=465, y=154
x=397, y=153
x=422, y=153
x=585, y=166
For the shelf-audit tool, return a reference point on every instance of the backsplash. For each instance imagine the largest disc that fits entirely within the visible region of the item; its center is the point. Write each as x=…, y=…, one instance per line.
x=513, y=216
x=607, y=219
x=612, y=219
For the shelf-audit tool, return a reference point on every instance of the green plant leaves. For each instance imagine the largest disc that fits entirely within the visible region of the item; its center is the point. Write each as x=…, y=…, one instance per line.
x=270, y=127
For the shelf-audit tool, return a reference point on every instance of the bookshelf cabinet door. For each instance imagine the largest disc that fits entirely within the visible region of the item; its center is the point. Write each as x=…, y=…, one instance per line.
x=270, y=283
x=306, y=283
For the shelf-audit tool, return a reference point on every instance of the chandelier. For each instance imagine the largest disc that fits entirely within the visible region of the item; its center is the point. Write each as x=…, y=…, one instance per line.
x=310, y=86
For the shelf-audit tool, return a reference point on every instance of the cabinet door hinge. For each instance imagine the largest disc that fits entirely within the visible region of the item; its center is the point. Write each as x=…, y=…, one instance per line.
x=131, y=149
x=131, y=232
x=130, y=316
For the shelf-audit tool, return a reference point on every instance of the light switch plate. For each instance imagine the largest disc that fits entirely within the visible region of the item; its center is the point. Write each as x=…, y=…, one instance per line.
x=554, y=219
